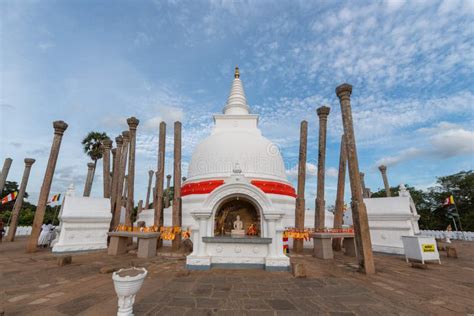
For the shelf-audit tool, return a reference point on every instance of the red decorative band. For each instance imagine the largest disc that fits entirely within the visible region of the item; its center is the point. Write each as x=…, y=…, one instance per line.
x=274, y=187
x=203, y=187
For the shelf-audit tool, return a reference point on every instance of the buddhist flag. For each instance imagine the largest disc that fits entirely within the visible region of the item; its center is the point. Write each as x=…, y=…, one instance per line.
x=55, y=198
x=10, y=197
x=449, y=201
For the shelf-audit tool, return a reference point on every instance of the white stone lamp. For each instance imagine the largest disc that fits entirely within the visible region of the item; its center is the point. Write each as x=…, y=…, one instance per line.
x=127, y=283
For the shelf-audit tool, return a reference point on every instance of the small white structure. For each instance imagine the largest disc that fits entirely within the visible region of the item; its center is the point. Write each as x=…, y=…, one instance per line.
x=420, y=248
x=390, y=218
x=84, y=223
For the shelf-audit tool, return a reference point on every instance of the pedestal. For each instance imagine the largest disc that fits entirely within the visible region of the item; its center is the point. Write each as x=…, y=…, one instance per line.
x=146, y=247
x=349, y=247
x=323, y=247
x=117, y=246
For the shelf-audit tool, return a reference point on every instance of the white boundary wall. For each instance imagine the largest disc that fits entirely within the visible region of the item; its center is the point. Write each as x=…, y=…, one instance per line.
x=20, y=230
x=454, y=235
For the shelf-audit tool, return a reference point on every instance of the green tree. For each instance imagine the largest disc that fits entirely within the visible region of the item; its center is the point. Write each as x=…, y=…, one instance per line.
x=461, y=186
x=92, y=145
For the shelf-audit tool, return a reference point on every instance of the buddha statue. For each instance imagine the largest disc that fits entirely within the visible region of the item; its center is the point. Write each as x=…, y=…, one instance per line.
x=238, y=226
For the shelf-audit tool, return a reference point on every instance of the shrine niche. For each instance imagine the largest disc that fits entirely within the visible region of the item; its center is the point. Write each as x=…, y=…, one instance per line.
x=227, y=215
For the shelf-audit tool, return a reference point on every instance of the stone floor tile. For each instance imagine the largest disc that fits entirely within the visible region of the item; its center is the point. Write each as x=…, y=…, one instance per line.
x=18, y=298
x=39, y=301
x=280, y=304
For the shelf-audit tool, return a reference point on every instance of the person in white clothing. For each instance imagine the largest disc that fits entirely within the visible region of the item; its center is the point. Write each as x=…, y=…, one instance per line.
x=44, y=238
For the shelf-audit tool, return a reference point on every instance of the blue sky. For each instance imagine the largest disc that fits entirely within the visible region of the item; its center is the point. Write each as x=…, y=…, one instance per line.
x=95, y=63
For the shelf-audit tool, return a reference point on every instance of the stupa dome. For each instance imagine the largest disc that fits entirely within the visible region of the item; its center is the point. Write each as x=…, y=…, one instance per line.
x=236, y=145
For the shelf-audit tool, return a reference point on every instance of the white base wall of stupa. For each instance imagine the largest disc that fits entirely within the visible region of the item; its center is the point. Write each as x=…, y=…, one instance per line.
x=84, y=223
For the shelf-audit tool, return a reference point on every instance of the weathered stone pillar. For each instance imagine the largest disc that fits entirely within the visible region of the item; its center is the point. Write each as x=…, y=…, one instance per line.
x=177, y=183
x=89, y=179
x=383, y=170
x=323, y=113
x=106, y=146
x=3, y=176
x=341, y=181
x=140, y=207
x=167, y=198
x=359, y=211
x=362, y=183
x=132, y=124
x=19, y=199
x=121, y=176
x=300, y=201
x=150, y=180
x=160, y=174
x=59, y=128
x=115, y=173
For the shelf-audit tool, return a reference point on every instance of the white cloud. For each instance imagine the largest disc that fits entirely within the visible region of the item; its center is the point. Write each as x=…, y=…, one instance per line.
x=445, y=140
x=311, y=171
x=332, y=172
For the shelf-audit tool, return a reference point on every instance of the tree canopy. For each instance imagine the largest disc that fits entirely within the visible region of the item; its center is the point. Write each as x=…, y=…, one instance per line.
x=92, y=144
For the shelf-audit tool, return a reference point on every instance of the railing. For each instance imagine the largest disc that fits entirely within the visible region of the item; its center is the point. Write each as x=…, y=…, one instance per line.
x=454, y=235
x=20, y=230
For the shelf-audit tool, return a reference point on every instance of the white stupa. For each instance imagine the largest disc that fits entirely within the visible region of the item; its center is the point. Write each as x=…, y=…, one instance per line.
x=237, y=171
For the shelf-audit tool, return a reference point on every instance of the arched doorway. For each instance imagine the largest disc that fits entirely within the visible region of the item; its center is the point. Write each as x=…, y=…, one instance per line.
x=227, y=214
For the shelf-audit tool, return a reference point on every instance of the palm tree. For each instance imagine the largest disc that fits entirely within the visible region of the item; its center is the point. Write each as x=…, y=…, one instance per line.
x=93, y=147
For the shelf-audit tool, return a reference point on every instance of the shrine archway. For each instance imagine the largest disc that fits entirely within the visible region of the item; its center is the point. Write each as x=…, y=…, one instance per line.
x=227, y=212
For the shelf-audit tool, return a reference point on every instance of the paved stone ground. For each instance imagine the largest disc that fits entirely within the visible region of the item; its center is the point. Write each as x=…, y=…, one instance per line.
x=33, y=284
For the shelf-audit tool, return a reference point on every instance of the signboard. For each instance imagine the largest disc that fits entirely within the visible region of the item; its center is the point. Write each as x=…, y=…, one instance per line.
x=428, y=247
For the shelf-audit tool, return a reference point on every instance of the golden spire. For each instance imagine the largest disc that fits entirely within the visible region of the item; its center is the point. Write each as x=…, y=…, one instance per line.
x=236, y=73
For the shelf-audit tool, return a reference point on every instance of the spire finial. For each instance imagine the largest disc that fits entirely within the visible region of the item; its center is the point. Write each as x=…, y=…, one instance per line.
x=236, y=73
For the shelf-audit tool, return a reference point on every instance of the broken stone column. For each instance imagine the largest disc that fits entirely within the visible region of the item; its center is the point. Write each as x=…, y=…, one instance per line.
x=3, y=176
x=132, y=124
x=177, y=183
x=365, y=191
x=359, y=210
x=167, y=197
x=383, y=170
x=160, y=174
x=121, y=176
x=106, y=147
x=140, y=207
x=323, y=113
x=89, y=179
x=148, y=191
x=59, y=128
x=341, y=181
x=19, y=199
x=300, y=201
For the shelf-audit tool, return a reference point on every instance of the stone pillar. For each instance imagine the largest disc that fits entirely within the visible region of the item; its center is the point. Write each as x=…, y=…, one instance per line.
x=177, y=183
x=167, y=198
x=383, y=170
x=121, y=176
x=341, y=181
x=323, y=113
x=3, y=176
x=362, y=184
x=88, y=184
x=300, y=201
x=115, y=174
x=132, y=124
x=359, y=210
x=106, y=146
x=160, y=173
x=148, y=191
x=19, y=199
x=140, y=207
x=59, y=128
